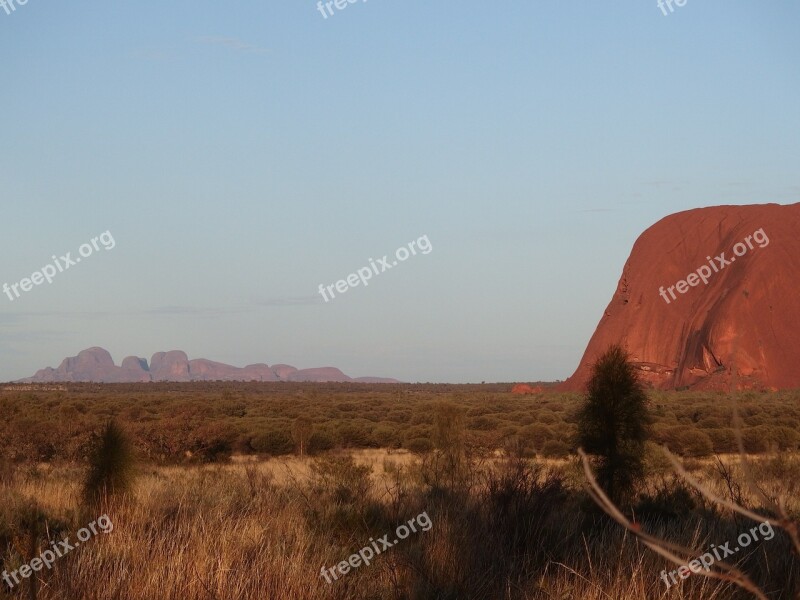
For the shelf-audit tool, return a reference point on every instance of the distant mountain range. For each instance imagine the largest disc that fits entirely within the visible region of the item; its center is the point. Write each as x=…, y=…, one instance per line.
x=96, y=365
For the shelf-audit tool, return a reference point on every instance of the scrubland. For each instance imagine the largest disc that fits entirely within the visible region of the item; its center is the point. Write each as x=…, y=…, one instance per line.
x=223, y=507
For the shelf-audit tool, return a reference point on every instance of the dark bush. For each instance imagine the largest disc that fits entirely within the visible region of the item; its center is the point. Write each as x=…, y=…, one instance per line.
x=670, y=500
x=418, y=445
x=340, y=479
x=723, y=440
x=757, y=439
x=111, y=466
x=273, y=442
x=694, y=443
x=320, y=441
x=354, y=435
x=484, y=423
x=520, y=500
x=555, y=449
x=537, y=435
x=214, y=442
x=386, y=435
x=786, y=438
x=613, y=423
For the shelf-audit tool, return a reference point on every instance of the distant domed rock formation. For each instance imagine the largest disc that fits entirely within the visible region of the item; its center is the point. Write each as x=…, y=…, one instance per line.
x=708, y=299
x=96, y=365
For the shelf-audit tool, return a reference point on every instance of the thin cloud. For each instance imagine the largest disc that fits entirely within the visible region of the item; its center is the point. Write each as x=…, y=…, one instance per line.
x=43, y=335
x=289, y=301
x=18, y=318
x=171, y=311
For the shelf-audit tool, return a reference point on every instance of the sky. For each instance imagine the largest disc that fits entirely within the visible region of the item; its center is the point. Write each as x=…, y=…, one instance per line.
x=240, y=154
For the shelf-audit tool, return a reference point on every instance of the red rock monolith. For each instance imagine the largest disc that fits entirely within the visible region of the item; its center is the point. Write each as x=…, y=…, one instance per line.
x=738, y=330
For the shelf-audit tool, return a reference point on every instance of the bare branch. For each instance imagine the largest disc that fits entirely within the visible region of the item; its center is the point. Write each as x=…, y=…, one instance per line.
x=666, y=549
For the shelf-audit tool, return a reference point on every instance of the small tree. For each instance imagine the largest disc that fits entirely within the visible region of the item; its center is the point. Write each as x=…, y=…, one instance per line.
x=448, y=466
x=613, y=423
x=111, y=466
x=448, y=433
x=302, y=428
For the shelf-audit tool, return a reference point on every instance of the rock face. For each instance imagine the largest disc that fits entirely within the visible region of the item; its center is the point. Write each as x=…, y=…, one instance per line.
x=259, y=372
x=96, y=365
x=707, y=300
x=135, y=369
x=134, y=363
x=208, y=370
x=92, y=364
x=321, y=374
x=170, y=366
x=283, y=371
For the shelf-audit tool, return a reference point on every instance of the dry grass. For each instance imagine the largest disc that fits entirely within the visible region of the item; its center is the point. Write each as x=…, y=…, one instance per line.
x=256, y=529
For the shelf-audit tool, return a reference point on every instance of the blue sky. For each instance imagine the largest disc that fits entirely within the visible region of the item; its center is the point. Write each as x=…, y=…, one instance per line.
x=242, y=153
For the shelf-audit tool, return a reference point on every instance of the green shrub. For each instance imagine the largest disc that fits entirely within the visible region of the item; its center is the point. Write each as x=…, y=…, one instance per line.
x=548, y=417
x=613, y=423
x=213, y=442
x=273, y=442
x=555, y=449
x=655, y=460
x=537, y=435
x=757, y=439
x=338, y=501
x=340, y=480
x=422, y=417
x=695, y=443
x=786, y=438
x=723, y=440
x=484, y=423
x=711, y=423
x=386, y=435
x=418, y=445
x=418, y=431
x=354, y=435
x=670, y=437
x=320, y=441
x=233, y=408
